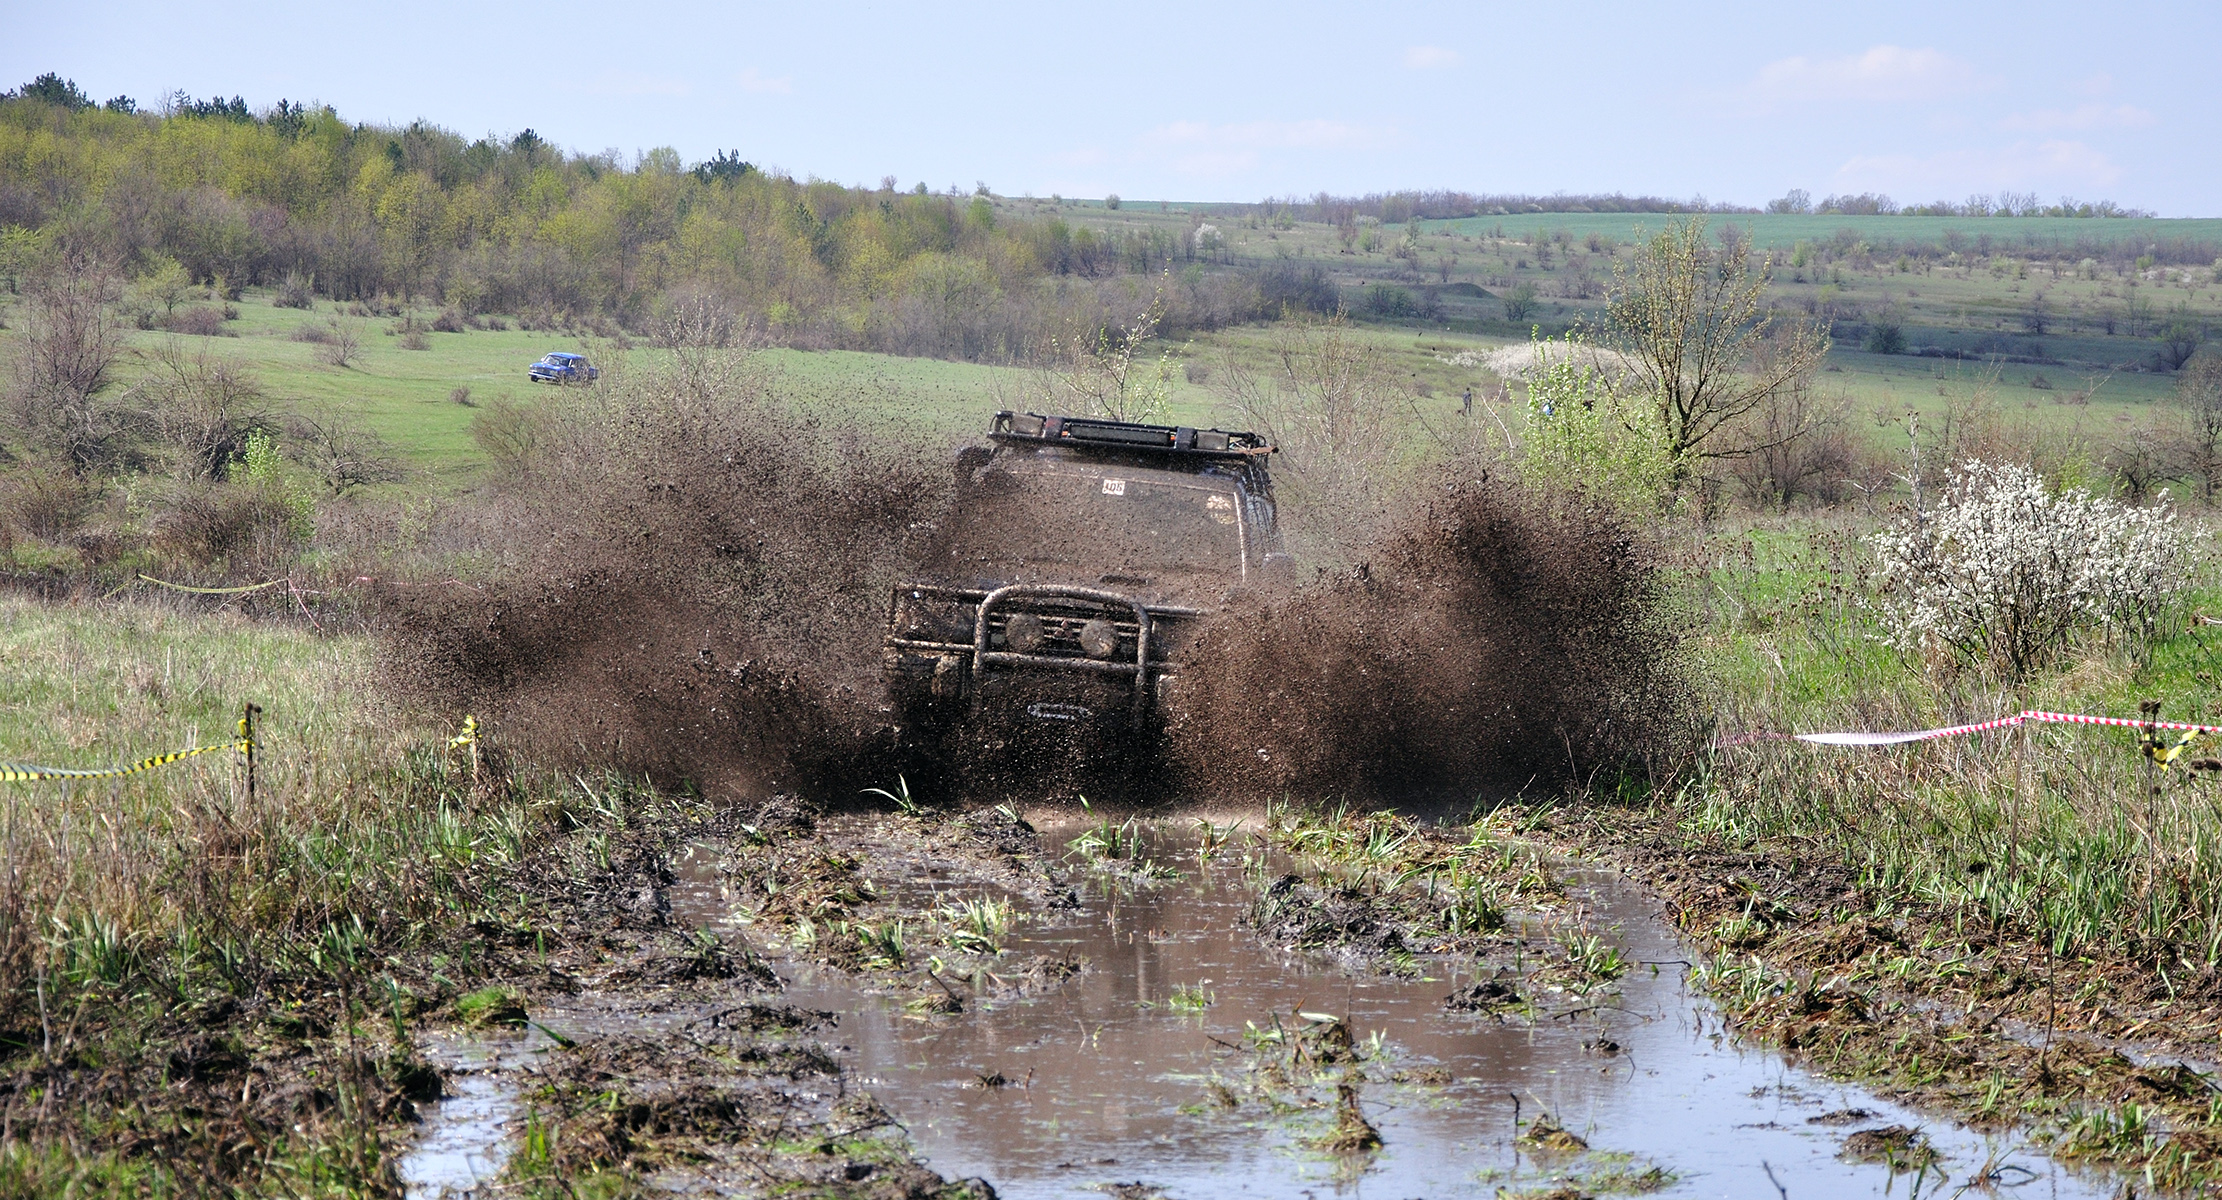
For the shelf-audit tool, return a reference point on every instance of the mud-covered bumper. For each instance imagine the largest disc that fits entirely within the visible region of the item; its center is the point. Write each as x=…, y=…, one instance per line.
x=1032, y=653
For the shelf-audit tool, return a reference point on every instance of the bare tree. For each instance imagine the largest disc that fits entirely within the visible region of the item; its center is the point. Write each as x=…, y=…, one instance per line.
x=2141, y=461
x=1340, y=413
x=2198, y=443
x=1797, y=444
x=343, y=343
x=199, y=408
x=341, y=453
x=1095, y=370
x=65, y=359
x=1689, y=316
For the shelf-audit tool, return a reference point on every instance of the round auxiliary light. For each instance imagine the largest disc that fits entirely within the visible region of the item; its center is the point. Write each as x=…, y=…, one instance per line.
x=1024, y=632
x=1098, y=639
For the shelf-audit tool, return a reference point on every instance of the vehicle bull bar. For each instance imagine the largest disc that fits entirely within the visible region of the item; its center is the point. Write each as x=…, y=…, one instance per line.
x=983, y=658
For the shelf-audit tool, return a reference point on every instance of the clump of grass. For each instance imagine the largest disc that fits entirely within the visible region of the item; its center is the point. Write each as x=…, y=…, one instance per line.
x=979, y=924
x=886, y=945
x=498, y=1005
x=1211, y=840
x=1593, y=956
x=1190, y=999
x=1545, y=1134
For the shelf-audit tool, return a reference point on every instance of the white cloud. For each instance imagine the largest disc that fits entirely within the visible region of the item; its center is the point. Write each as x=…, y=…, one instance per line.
x=2045, y=165
x=1428, y=58
x=2082, y=116
x=751, y=80
x=633, y=83
x=1878, y=73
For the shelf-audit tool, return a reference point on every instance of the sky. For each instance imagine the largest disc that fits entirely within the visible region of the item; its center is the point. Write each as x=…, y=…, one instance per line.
x=1215, y=102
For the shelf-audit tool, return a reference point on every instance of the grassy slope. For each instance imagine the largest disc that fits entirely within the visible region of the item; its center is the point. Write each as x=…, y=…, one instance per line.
x=403, y=394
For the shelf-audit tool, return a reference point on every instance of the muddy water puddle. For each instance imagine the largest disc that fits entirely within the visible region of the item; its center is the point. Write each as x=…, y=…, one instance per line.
x=1123, y=1075
x=465, y=1139
x=1175, y=1066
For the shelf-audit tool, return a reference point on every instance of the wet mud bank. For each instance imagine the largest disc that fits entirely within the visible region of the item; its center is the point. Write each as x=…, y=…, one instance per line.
x=906, y=1004
x=2103, y=1063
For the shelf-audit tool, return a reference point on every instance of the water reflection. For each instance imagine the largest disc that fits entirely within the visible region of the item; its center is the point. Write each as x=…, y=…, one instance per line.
x=1108, y=1083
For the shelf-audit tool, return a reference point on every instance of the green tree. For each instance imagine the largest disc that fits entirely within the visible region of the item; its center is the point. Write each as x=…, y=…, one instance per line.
x=1519, y=302
x=165, y=282
x=2179, y=338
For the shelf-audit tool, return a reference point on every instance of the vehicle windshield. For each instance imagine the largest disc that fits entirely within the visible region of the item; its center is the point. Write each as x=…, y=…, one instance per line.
x=1092, y=522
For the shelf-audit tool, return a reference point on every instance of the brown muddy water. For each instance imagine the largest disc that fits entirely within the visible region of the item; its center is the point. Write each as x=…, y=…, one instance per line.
x=1106, y=1083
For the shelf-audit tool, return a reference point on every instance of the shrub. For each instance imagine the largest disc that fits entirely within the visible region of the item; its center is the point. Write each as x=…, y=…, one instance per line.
x=199, y=321
x=2002, y=573
x=1389, y=300
x=1588, y=435
x=452, y=320
x=1886, y=337
x=461, y=397
x=41, y=501
x=1286, y=286
x=343, y=342
x=1519, y=302
x=298, y=291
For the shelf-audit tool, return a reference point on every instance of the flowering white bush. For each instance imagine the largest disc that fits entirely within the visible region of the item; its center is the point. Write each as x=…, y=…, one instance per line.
x=2002, y=571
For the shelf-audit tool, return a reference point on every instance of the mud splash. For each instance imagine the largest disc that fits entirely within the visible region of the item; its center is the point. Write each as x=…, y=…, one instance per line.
x=1144, y=1073
x=693, y=585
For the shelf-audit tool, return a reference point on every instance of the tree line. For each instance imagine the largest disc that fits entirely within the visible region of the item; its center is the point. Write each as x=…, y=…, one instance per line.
x=299, y=198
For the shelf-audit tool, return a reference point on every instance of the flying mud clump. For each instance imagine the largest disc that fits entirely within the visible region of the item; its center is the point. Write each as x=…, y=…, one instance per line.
x=695, y=588
x=1498, y=638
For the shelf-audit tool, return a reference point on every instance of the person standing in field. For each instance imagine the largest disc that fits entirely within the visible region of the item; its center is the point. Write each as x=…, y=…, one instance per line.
x=1466, y=409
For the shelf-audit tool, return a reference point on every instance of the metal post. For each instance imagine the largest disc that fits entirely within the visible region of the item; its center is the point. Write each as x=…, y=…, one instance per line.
x=247, y=714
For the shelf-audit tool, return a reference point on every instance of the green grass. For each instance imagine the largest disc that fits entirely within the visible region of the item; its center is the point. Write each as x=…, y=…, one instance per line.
x=1781, y=231
x=96, y=685
x=2062, y=844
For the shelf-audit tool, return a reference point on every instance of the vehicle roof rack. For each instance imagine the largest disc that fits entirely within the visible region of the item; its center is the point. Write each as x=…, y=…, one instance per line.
x=1127, y=435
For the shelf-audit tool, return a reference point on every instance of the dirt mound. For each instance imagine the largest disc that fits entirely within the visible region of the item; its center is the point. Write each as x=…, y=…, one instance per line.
x=1499, y=637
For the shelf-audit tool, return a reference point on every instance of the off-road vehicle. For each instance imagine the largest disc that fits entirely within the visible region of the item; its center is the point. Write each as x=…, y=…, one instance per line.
x=1064, y=592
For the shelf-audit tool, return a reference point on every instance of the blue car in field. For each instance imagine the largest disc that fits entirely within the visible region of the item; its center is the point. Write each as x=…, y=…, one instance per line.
x=562, y=368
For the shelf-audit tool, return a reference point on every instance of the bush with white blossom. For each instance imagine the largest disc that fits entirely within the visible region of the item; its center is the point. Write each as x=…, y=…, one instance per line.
x=2002, y=572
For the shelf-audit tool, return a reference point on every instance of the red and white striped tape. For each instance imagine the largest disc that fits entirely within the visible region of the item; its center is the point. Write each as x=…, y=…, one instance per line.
x=1923, y=735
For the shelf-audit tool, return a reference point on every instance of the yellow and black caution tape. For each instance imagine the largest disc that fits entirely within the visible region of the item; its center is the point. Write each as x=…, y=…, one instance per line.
x=208, y=591
x=2163, y=748
x=13, y=772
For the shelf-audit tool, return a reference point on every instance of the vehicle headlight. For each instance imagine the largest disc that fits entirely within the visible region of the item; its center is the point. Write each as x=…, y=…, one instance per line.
x=1024, y=633
x=1098, y=639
